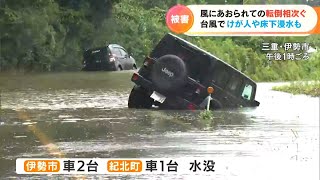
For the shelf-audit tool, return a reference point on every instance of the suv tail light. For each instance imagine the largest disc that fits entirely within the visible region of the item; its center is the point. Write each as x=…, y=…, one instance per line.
x=111, y=57
x=191, y=106
x=135, y=77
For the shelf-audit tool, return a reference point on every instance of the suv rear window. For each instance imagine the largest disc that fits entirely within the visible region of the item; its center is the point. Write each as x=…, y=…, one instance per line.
x=95, y=55
x=220, y=77
x=233, y=84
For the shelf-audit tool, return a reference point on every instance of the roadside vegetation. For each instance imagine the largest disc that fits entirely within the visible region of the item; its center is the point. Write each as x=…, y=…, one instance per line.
x=205, y=114
x=50, y=35
x=308, y=88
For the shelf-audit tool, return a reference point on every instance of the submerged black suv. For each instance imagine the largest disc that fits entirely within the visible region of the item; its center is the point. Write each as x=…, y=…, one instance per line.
x=176, y=76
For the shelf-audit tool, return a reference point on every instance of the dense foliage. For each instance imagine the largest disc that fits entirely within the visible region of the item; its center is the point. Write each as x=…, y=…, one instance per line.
x=308, y=88
x=50, y=35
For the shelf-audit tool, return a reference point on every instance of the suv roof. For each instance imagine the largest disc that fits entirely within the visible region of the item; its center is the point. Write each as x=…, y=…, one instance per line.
x=170, y=35
x=107, y=45
x=115, y=46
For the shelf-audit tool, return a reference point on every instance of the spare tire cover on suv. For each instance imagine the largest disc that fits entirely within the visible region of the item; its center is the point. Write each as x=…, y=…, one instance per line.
x=169, y=73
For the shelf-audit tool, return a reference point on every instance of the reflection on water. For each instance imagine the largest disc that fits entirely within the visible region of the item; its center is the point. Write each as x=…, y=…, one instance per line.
x=64, y=99
x=86, y=115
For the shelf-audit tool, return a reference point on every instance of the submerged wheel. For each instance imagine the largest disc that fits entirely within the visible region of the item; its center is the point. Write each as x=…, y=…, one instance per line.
x=215, y=104
x=119, y=68
x=139, y=99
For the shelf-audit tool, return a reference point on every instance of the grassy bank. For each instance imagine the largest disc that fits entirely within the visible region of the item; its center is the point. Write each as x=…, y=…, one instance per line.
x=308, y=88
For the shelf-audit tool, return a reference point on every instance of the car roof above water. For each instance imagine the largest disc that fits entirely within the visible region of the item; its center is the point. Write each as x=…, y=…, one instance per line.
x=212, y=57
x=115, y=46
x=107, y=45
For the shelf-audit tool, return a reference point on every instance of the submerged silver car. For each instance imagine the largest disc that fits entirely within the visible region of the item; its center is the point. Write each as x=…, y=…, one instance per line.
x=112, y=57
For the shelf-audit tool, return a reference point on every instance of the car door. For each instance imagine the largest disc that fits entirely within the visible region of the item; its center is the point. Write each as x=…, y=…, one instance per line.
x=126, y=59
x=118, y=57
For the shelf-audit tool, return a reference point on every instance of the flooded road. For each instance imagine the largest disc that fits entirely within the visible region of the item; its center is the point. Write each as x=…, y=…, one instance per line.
x=86, y=115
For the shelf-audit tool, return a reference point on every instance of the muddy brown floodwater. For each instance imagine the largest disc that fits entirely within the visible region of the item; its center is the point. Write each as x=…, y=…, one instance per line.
x=86, y=115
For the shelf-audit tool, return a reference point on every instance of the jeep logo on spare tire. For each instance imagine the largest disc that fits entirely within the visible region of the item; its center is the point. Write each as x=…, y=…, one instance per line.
x=167, y=72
